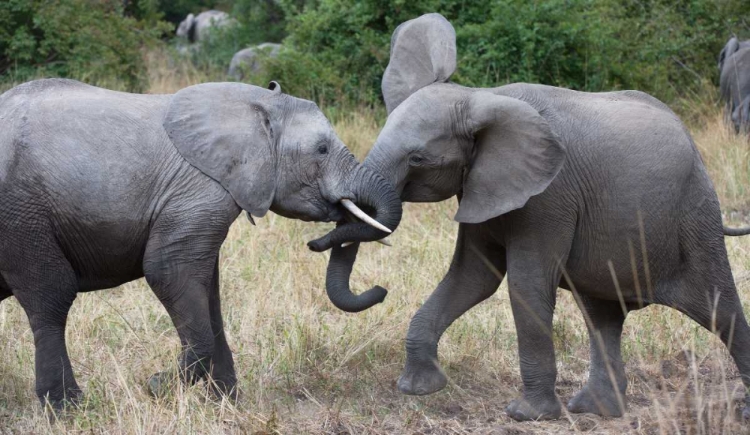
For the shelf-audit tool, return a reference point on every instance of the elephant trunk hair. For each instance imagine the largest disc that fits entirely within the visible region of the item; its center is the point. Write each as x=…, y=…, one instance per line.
x=376, y=194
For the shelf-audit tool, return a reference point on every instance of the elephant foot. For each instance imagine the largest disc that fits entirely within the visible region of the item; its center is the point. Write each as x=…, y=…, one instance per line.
x=523, y=409
x=224, y=389
x=161, y=384
x=422, y=379
x=603, y=403
x=61, y=408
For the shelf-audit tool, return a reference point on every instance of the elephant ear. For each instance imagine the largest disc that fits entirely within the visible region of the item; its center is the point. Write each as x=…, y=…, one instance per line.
x=228, y=131
x=423, y=51
x=729, y=49
x=186, y=26
x=516, y=156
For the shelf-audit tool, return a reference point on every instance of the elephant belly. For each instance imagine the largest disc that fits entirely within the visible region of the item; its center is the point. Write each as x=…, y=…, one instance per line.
x=104, y=255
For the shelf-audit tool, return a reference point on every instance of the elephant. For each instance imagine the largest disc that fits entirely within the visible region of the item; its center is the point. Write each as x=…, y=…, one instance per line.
x=100, y=188
x=196, y=28
x=741, y=116
x=603, y=194
x=734, y=67
x=247, y=60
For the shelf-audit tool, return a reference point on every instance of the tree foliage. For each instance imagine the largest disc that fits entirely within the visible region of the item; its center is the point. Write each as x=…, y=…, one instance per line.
x=664, y=47
x=91, y=40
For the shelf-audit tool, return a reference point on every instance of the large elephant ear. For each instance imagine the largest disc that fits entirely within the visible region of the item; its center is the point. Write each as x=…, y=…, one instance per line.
x=423, y=51
x=516, y=156
x=729, y=49
x=228, y=132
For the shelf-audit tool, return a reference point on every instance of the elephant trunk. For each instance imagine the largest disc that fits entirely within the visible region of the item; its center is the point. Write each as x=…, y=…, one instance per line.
x=337, y=282
x=373, y=194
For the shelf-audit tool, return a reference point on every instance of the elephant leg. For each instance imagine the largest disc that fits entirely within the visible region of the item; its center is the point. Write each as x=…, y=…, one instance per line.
x=46, y=287
x=715, y=305
x=181, y=276
x=534, y=272
x=475, y=273
x=4, y=289
x=604, y=393
x=222, y=365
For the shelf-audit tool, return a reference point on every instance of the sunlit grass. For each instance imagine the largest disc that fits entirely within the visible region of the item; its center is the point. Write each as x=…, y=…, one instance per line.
x=305, y=367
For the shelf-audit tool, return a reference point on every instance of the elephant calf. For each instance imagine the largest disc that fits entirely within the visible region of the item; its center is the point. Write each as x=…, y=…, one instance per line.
x=603, y=194
x=99, y=188
x=734, y=69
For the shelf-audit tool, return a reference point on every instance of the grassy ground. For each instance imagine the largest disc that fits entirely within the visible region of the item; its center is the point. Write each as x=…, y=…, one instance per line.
x=306, y=367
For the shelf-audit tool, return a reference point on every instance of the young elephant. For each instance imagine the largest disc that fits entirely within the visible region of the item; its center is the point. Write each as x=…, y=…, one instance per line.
x=99, y=188
x=734, y=73
x=556, y=188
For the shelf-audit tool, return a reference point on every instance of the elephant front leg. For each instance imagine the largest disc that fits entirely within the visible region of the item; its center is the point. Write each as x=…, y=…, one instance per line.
x=183, y=289
x=223, y=376
x=474, y=275
x=604, y=394
x=532, y=313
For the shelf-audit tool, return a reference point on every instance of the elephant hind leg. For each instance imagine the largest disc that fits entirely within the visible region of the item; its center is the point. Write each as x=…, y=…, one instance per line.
x=604, y=393
x=45, y=286
x=5, y=291
x=715, y=305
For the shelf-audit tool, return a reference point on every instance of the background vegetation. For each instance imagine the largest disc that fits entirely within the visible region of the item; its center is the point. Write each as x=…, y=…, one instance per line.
x=337, y=49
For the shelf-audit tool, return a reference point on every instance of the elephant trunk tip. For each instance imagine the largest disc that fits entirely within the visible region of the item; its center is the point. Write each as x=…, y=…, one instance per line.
x=337, y=282
x=364, y=301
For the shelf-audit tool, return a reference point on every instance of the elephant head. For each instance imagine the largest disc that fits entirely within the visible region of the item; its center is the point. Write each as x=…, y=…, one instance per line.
x=186, y=28
x=731, y=46
x=442, y=139
x=273, y=151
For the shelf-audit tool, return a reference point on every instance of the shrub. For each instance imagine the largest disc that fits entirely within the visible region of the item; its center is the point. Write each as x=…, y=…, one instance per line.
x=662, y=47
x=89, y=40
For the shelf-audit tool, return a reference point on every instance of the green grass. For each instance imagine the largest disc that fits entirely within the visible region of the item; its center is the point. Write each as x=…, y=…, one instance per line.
x=306, y=367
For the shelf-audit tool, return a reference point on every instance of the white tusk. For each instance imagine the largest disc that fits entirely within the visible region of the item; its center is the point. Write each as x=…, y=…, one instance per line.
x=385, y=242
x=364, y=217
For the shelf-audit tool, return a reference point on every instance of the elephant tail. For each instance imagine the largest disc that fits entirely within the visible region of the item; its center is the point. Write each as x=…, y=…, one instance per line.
x=743, y=231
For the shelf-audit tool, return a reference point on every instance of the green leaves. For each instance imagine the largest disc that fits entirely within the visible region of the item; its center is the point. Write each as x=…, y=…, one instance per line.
x=93, y=41
x=663, y=47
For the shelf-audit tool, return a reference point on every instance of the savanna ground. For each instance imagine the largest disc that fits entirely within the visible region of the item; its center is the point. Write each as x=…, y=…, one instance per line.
x=306, y=367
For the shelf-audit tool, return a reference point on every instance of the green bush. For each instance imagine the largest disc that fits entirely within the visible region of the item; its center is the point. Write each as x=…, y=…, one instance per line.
x=664, y=47
x=89, y=40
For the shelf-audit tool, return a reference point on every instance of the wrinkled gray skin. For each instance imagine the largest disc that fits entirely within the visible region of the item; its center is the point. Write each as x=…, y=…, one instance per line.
x=556, y=189
x=100, y=188
x=196, y=28
x=249, y=59
x=741, y=116
x=734, y=67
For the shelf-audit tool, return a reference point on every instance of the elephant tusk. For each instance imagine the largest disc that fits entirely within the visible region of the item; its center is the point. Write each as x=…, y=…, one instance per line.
x=385, y=242
x=364, y=217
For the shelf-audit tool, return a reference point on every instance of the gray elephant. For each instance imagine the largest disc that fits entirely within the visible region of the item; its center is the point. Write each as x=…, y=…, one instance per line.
x=741, y=116
x=603, y=194
x=248, y=60
x=734, y=68
x=100, y=188
x=196, y=28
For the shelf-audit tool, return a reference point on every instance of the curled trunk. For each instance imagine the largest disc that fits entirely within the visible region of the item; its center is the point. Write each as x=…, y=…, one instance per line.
x=374, y=195
x=337, y=282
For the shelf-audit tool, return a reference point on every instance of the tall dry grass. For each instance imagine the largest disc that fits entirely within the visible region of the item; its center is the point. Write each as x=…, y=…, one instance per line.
x=305, y=367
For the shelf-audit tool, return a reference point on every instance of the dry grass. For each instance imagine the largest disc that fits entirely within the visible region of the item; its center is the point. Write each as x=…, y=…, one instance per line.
x=306, y=367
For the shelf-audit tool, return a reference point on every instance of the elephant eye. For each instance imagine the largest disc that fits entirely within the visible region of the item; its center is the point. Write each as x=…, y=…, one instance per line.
x=416, y=159
x=323, y=149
